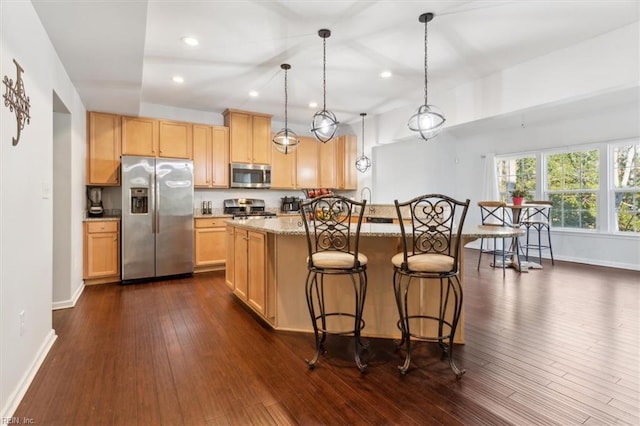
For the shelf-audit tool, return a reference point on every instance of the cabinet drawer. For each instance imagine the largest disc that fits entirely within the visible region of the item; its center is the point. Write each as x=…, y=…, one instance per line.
x=96, y=227
x=210, y=222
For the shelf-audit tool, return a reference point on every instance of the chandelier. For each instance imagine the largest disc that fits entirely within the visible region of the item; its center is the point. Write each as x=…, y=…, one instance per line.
x=324, y=123
x=363, y=162
x=285, y=140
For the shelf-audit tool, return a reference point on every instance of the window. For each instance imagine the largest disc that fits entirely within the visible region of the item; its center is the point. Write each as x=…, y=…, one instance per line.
x=515, y=172
x=573, y=181
x=625, y=165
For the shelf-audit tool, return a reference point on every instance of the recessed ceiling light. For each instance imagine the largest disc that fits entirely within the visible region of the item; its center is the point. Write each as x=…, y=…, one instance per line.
x=190, y=41
x=385, y=74
x=178, y=79
x=253, y=94
x=313, y=104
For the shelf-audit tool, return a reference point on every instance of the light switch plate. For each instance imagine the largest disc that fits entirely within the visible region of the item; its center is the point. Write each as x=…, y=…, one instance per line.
x=46, y=190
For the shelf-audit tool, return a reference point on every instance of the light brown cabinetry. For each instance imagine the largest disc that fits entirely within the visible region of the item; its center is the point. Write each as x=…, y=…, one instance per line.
x=101, y=249
x=249, y=269
x=307, y=163
x=210, y=156
x=229, y=268
x=283, y=169
x=175, y=140
x=103, y=149
x=210, y=244
x=346, y=166
x=249, y=136
x=327, y=164
x=140, y=136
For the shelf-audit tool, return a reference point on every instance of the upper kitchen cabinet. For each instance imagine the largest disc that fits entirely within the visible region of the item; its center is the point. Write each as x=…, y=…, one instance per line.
x=176, y=139
x=307, y=167
x=328, y=164
x=346, y=167
x=103, y=149
x=249, y=136
x=283, y=169
x=210, y=156
x=140, y=136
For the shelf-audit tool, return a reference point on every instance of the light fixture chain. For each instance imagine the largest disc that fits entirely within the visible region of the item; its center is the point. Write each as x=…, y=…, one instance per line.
x=286, y=100
x=324, y=74
x=425, y=62
x=363, y=135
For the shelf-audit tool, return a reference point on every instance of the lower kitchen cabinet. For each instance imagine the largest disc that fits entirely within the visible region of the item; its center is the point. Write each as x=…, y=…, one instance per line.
x=101, y=252
x=250, y=269
x=229, y=266
x=210, y=244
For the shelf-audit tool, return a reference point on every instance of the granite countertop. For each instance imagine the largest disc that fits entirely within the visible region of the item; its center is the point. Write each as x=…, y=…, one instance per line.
x=101, y=219
x=291, y=226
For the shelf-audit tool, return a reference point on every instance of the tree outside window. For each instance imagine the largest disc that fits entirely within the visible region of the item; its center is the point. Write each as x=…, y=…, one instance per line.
x=515, y=172
x=572, y=184
x=626, y=187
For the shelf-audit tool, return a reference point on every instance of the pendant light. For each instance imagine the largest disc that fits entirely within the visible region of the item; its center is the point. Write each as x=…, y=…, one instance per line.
x=285, y=140
x=324, y=123
x=363, y=162
x=428, y=119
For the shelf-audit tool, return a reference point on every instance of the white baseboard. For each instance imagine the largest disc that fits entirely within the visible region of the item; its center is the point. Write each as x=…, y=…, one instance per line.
x=64, y=304
x=15, y=398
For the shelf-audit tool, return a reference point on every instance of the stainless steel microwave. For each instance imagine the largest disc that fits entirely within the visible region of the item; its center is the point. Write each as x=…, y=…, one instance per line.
x=250, y=175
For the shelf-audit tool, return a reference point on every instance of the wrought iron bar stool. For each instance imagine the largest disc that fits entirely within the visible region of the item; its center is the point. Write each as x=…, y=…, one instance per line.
x=537, y=217
x=332, y=241
x=496, y=213
x=430, y=253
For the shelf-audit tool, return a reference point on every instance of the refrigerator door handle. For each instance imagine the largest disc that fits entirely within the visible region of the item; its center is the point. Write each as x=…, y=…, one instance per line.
x=156, y=212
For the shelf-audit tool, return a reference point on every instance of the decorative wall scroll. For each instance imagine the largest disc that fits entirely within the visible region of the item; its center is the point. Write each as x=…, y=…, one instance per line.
x=16, y=99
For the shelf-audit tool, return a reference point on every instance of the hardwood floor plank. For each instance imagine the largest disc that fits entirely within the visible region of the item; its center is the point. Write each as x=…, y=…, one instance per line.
x=553, y=346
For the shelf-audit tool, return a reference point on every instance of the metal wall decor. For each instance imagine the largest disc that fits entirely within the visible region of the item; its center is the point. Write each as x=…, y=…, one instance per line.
x=16, y=99
x=285, y=140
x=428, y=119
x=363, y=162
x=324, y=123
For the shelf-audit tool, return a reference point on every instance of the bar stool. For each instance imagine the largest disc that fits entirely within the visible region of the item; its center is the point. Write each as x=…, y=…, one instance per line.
x=537, y=217
x=430, y=252
x=333, y=242
x=496, y=213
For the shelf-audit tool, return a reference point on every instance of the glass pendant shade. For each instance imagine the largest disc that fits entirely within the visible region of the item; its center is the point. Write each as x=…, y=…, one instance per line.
x=428, y=119
x=286, y=140
x=324, y=123
x=363, y=162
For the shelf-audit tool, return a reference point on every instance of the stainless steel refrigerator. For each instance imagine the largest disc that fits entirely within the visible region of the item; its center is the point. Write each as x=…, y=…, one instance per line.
x=157, y=217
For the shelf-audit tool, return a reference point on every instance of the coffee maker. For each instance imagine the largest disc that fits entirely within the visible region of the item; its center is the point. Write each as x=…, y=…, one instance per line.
x=290, y=204
x=94, y=195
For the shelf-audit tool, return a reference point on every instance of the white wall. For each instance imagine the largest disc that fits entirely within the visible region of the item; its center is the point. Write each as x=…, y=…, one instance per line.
x=26, y=218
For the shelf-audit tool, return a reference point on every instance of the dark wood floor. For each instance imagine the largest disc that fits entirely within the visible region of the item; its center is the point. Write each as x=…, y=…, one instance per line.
x=554, y=346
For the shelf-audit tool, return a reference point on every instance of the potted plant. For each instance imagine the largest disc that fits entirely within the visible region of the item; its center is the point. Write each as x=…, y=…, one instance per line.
x=518, y=195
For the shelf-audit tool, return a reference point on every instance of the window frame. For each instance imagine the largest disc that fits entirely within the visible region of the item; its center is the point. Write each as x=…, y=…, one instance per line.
x=611, y=208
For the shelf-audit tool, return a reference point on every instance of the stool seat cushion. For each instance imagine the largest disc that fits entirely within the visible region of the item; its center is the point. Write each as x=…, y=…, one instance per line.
x=334, y=259
x=427, y=262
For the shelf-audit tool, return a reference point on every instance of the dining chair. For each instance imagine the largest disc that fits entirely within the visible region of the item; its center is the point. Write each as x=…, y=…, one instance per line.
x=430, y=257
x=333, y=250
x=537, y=218
x=496, y=213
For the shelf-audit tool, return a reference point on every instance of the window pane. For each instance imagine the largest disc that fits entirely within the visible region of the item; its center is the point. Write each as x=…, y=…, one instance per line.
x=516, y=172
x=626, y=166
x=627, y=211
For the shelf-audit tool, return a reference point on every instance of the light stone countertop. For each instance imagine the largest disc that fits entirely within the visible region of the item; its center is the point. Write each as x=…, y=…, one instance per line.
x=291, y=226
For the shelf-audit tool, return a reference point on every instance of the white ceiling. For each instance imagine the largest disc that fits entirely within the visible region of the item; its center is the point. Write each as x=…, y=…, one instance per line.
x=120, y=54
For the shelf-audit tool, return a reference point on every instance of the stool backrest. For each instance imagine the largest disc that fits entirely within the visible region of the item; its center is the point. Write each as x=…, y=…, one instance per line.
x=436, y=225
x=538, y=212
x=328, y=224
x=493, y=213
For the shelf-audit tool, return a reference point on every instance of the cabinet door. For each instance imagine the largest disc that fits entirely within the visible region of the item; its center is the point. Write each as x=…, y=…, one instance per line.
x=347, y=151
x=257, y=271
x=103, y=149
x=327, y=175
x=239, y=136
x=220, y=157
x=176, y=139
x=261, y=132
x=202, y=156
x=230, y=264
x=307, y=163
x=240, y=245
x=139, y=136
x=210, y=246
x=101, y=250
x=283, y=169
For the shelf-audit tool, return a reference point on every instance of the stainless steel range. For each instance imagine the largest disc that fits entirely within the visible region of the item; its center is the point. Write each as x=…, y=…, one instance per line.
x=247, y=208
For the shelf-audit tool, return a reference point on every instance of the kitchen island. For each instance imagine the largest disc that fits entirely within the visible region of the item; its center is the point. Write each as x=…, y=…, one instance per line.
x=267, y=269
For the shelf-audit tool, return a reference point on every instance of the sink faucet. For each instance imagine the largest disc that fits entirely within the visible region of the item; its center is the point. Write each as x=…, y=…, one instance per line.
x=362, y=198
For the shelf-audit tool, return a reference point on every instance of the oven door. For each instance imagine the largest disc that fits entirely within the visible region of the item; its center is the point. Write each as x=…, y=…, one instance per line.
x=250, y=175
